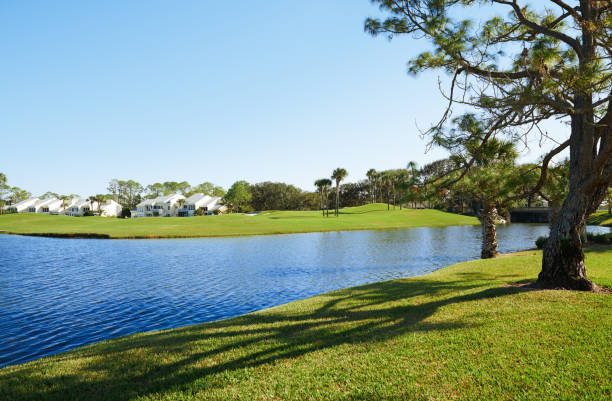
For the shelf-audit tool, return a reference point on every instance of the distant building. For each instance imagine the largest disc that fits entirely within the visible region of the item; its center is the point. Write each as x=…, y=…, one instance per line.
x=167, y=206
x=49, y=206
x=25, y=206
x=110, y=208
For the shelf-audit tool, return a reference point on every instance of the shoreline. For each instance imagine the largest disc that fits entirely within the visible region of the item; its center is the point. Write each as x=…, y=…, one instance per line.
x=234, y=235
x=426, y=334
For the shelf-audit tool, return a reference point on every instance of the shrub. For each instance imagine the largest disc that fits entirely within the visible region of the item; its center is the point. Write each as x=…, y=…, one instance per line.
x=88, y=213
x=605, y=239
x=540, y=242
x=125, y=212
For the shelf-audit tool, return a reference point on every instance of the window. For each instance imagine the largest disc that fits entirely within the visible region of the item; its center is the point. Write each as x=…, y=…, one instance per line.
x=45, y=210
x=32, y=210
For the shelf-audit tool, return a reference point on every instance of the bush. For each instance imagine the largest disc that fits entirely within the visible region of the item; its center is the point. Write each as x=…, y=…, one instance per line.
x=125, y=212
x=605, y=239
x=88, y=213
x=540, y=242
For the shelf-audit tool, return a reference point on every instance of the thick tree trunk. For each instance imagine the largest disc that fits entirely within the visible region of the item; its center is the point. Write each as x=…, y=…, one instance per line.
x=489, y=231
x=563, y=256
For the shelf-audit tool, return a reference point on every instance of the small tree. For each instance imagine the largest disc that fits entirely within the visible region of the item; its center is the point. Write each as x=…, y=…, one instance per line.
x=320, y=183
x=338, y=175
x=238, y=197
x=372, y=176
x=491, y=179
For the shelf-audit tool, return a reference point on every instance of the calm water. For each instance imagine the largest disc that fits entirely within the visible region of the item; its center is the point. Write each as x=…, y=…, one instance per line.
x=58, y=294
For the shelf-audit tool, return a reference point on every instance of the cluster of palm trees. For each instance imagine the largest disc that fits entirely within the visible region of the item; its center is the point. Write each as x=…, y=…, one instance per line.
x=323, y=186
x=390, y=185
x=394, y=185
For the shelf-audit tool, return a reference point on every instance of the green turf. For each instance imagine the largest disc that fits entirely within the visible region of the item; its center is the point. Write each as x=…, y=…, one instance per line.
x=366, y=217
x=601, y=218
x=464, y=332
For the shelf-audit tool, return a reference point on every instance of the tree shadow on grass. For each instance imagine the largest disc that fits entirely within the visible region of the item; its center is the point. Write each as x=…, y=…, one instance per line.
x=196, y=358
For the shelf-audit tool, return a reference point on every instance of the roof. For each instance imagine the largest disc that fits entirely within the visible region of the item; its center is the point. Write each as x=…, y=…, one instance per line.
x=160, y=199
x=195, y=198
x=25, y=203
x=169, y=198
x=146, y=202
x=48, y=202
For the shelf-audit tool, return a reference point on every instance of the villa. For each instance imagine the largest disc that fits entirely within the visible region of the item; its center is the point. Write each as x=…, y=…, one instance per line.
x=198, y=201
x=48, y=206
x=110, y=209
x=81, y=206
x=167, y=205
x=23, y=206
x=193, y=203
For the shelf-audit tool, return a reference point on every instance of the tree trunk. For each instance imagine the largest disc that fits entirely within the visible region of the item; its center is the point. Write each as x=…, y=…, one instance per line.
x=563, y=256
x=337, y=197
x=489, y=232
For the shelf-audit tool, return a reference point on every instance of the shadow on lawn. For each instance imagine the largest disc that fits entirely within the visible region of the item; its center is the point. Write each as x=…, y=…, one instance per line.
x=197, y=358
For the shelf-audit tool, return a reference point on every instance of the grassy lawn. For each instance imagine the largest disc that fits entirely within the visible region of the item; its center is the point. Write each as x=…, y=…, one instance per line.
x=601, y=218
x=357, y=218
x=464, y=332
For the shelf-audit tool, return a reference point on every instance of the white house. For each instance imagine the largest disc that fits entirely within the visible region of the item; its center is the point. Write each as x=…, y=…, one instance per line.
x=193, y=203
x=167, y=205
x=49, y=206
x=27, y=205
x=144, y=208
x=81, y=206
x=110, y=209
x=215, y=205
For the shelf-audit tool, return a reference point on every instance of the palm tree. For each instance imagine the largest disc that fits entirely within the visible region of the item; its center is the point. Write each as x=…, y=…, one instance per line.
x=100, y=198
x=320, y=183
x=338, y=175
x=372, y=175
x=91, y=201
x=327, y=183
x=386, y=181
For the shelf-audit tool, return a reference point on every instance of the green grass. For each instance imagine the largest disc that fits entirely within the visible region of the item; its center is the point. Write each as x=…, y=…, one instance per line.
x=464, y=332
x=366, y=217
x=601, y=218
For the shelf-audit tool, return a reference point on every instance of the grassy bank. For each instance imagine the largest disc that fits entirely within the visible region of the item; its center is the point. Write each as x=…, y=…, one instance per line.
x=601, y=218
x=357, y=218
x=464, y=332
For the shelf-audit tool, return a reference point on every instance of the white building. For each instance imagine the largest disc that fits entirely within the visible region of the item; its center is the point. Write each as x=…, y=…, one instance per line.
x=167, y=206
x=215, y=205
x=80, y=206
x=208, y=204
x=110, y=208
x=49, y=206
x=23, y=206
x=193, y=203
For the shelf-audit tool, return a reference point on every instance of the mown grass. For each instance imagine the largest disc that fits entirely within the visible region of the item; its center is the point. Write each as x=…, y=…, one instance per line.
x=464, y=332
x=366, y=217
x=601, y=218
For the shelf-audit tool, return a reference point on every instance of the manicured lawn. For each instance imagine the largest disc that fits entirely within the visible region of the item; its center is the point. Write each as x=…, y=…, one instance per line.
x=601, y=218
x=358, y=218
x=464, y=332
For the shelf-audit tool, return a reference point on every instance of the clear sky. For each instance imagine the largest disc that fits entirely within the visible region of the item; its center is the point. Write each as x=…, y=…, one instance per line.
x=154, y=91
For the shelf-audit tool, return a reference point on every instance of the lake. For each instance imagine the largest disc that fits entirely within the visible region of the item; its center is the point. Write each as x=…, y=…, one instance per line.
x=58, y=294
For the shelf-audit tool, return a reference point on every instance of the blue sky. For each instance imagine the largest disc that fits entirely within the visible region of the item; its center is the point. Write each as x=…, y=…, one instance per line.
x=204, y=91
